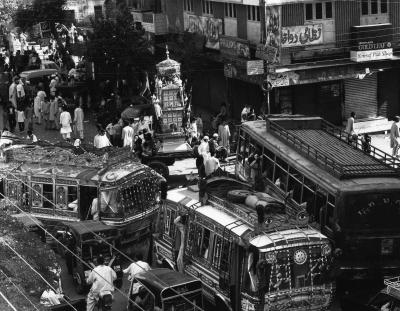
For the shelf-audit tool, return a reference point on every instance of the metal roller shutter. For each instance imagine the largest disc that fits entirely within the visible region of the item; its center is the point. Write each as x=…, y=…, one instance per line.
x=361, y=97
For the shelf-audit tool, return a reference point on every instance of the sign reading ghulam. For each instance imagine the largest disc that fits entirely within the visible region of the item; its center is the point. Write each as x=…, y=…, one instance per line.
x=310, y=34
x=371, y=42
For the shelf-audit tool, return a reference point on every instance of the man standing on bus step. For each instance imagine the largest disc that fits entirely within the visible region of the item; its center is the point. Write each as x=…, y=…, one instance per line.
x=395, y=136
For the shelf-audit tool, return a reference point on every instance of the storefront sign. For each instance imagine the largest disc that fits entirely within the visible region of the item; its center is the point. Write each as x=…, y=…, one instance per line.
x=209, y=27
x=371, y=42
x=302, y=35
x=365, y=56
x=369, y=46
x=273, y=31
x=234, y=47
x=255, y=67
x=267, y=53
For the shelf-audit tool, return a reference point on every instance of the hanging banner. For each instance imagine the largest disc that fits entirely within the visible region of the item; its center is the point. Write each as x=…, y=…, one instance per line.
x=273, y=33
x=209, y=27
x=310, y=34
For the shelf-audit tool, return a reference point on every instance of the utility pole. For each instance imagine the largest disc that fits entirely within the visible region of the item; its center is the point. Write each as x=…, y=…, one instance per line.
x=266, y=85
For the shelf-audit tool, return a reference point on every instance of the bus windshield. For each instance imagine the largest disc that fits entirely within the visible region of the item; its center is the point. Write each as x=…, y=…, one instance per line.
x=92, y=250
x=374, y=211
x=291, y=268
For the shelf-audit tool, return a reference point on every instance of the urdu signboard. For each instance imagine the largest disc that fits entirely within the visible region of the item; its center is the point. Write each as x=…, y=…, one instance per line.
x=371, y=42
x=310, y=34
x=234, y=47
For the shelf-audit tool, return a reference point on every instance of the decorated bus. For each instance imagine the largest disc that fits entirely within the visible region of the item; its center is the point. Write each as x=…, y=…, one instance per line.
x=250, y=250
x=56, y=184
x=351, y=189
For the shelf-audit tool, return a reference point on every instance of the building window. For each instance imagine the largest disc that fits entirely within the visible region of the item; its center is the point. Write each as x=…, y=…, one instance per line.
x=207, y=7
x=188, y=6
x=253, y=13
x=98, y=11
x=319, y=10
x=230, y=10
x=374, y=7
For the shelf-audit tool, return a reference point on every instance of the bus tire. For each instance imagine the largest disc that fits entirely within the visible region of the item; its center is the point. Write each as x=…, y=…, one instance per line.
x=221, y=304
x=160, y=168
x=79, y=280
x=238, y=196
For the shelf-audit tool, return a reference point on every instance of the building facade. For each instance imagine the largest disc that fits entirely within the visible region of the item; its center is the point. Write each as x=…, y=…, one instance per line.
x=325, y=58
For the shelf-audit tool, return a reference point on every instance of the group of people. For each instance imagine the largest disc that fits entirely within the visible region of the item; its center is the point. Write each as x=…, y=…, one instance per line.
x=29, y=105
x=133, y=134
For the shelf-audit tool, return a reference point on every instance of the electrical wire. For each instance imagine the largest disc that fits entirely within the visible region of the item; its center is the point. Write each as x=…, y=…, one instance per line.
x=8, y=302
x=19, y=289
x=65, y=247
x=4, y=242
x=106, y=242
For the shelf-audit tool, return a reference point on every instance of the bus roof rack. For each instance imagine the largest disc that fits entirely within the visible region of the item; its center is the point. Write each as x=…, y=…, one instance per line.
x=329, y=147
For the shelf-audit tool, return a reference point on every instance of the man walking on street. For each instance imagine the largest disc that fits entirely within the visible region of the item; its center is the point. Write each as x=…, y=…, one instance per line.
x=78, y=121
x=102, y=279
x=12, y=92
x=65, y=121
x=395, y=136
x=127, y=135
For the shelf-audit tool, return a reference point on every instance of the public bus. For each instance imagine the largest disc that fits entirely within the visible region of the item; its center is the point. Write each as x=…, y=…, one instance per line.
x=246, y=263
x=353, y=194
x=58, y=184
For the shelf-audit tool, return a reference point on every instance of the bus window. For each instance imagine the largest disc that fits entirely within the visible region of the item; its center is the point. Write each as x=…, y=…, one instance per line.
x=47, y=196
x=281, y=174
x=295, y=184
x=167, y=223
x=216, y=254
x=205, y=244
x=61, y=197
x=225, y=256
x=267, y=168
x=308, y=196
x=243, y=147
x=321, y=199
x=330, y=212
x=72, y=198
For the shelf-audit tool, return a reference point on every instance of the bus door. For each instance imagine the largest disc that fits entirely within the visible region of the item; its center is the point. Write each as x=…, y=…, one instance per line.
x=86, y=196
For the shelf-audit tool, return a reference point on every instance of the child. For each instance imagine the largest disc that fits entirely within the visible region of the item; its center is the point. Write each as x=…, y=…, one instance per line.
x=21, y=120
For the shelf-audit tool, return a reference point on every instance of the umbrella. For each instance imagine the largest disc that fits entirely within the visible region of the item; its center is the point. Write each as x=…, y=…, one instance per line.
x=135, y=111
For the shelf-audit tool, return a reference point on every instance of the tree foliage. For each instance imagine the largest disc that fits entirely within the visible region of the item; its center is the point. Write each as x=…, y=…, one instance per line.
x=8, y=9
x=51, y=11
x=36, y=253
x=120, y=41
